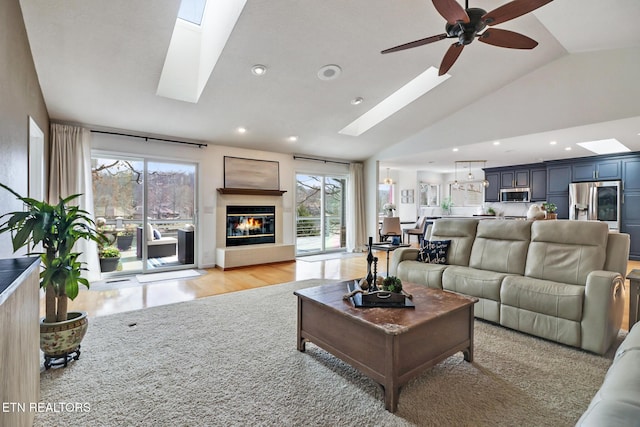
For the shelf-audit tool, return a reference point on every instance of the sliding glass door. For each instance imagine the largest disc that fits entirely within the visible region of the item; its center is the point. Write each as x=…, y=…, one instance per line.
x=147, y=210
x=320, y=213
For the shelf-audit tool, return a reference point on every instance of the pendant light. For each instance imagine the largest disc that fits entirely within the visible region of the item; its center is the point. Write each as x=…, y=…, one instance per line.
x=485, y=183
x=456, y=185
x=388, y=180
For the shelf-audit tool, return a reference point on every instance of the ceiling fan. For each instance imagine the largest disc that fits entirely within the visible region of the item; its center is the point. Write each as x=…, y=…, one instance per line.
x=467, y=24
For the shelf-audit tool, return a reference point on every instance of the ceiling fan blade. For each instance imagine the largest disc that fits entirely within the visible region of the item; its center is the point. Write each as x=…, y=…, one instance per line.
x=450, y=57
x=506, y=38
x=416, y=43
x=451, y=11
x=512, y=10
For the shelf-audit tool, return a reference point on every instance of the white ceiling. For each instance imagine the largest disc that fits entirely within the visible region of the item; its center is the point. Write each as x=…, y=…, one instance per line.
x=99, y=64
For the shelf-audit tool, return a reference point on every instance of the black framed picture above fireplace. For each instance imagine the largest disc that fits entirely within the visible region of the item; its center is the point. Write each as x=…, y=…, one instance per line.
x=250, y=173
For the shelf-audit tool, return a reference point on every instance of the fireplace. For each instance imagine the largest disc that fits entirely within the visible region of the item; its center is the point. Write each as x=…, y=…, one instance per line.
x=250, y=225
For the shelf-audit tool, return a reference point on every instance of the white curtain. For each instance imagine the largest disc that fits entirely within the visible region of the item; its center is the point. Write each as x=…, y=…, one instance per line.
x=356, y=214
x=70, y=173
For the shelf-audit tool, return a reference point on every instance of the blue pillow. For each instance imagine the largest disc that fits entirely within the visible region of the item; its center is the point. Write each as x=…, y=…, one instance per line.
x=434, y=251
x=156, y=234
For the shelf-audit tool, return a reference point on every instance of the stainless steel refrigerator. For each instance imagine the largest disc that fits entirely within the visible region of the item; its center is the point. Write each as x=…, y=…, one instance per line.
x=596, y=201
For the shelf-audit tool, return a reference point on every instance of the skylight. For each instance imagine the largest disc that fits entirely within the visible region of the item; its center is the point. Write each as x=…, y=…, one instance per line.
x=192, y=11
x=604, y=146
x=194, y=49
x=408, y=93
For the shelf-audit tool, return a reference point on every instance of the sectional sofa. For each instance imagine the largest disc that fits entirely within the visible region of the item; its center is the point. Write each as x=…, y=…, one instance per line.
x=557, y=279
x=617, y=403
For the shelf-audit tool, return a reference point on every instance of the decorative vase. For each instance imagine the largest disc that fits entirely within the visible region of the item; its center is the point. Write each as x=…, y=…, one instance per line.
x=552, y=215
x=61, y=340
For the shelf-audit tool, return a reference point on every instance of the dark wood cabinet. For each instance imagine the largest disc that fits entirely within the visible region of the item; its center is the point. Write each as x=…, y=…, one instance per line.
x=538, y=181
x=631, y=174
x=515, y=178
x=492, y=192
x=596, y=170
x=558, y=179
x=630, y=202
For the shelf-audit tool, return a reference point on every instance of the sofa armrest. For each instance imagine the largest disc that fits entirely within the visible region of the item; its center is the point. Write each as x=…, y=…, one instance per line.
x=400, y=255
x=603, y=310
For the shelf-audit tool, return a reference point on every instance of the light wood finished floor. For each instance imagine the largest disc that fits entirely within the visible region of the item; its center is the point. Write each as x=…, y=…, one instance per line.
x=216, y=281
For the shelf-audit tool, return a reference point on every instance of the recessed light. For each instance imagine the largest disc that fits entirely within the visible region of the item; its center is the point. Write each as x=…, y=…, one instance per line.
x=496, y=142
x=455, y=149
x=553, y=143
x=292, y=138
x=567, y=148
x=329, y=72
x=259, y=70
x=241, y=130
x=357, y=101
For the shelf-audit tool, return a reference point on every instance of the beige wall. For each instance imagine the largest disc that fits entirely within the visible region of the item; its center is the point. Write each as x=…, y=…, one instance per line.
x=20, y=97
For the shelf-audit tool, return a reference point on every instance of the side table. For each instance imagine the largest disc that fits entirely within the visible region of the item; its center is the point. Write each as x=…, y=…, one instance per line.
x=388, y=247
x=634, y=293
x=185, y=246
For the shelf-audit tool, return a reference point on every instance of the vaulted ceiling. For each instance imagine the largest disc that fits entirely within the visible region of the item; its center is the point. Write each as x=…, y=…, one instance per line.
x=99, y=63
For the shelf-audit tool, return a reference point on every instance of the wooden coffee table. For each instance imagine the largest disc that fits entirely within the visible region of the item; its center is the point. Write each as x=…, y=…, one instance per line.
x=389, y=345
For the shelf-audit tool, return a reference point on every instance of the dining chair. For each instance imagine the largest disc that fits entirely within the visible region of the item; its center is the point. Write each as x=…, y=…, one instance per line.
x=390, y=227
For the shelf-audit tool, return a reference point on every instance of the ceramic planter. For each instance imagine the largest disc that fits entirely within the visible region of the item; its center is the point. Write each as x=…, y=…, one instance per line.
x=109, y=264
x=59, y=339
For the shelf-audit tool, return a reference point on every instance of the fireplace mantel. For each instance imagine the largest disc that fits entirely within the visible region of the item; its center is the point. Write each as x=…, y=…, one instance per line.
x=251, y=191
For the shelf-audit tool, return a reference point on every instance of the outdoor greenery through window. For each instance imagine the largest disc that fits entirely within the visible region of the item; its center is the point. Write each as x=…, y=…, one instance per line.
x=121, y=187
x=320, y=213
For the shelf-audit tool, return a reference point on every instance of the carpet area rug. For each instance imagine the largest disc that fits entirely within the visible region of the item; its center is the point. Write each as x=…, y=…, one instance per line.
x=231, y=360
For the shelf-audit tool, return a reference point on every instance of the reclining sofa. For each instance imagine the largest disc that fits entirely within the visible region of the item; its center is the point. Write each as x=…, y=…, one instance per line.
x=557, y=279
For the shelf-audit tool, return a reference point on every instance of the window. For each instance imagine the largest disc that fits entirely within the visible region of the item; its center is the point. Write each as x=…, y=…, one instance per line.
x=467, y=194
x=385, y=195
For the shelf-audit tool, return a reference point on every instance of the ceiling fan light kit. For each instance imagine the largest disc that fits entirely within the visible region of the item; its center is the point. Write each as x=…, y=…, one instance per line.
x=469, y=23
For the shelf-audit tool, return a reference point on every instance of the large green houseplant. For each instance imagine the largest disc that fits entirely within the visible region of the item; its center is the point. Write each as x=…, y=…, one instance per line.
x=56, y=228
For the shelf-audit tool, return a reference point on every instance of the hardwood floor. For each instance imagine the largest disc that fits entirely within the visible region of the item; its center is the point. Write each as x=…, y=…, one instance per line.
x=216, y=281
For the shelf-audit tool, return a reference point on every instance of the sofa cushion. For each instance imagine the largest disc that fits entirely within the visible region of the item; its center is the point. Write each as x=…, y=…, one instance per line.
x=434, y=251
x=501, y=246
x=421, y=273
x=149, y=232
x=473, y=282
x=461, y=232
x=543, y=296
x=566, y=251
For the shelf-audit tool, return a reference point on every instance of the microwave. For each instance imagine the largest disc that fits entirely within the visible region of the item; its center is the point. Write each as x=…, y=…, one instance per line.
x=515, y=195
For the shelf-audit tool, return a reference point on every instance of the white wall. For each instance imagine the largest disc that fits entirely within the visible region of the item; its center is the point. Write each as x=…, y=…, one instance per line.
x=210, y=177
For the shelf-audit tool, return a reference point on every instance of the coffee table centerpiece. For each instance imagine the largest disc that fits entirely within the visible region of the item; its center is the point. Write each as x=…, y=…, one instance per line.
x=383, y=292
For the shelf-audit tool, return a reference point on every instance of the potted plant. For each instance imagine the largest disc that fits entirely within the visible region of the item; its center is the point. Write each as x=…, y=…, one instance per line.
x=57, y=228
x=109, y=258
x=124, y=239
x=551, y=209
x=446, y=205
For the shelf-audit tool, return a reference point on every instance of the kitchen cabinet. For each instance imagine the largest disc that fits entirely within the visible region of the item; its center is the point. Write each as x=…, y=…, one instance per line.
x=492, y=192
x=558, y=179
x=631, y=174
x=630, y=201
x=514, y=178
x=597, y=170
x=538, y=181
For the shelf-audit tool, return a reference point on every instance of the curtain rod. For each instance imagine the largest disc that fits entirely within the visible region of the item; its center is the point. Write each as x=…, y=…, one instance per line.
x=147, y=138
x=320, y=160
